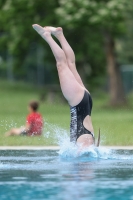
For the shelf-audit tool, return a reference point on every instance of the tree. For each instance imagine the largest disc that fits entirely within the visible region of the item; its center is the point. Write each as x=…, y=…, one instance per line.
x=86, y=23
x=16, y=19
x=108, y=18
x=19, y=38
x=125, y=43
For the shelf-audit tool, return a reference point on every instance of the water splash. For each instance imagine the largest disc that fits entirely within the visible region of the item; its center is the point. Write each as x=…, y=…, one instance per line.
x=72, y=151
x=69, y=150
x=55, y=133
x=7, y=125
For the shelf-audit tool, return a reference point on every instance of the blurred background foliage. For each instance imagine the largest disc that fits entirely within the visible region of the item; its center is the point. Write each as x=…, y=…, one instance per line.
x=100, y=32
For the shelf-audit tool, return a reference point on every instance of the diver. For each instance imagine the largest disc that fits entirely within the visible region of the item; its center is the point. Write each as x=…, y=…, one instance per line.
x=73, y=89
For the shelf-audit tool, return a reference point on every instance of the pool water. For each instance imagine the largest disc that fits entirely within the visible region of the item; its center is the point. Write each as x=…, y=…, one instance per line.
x=57, y=175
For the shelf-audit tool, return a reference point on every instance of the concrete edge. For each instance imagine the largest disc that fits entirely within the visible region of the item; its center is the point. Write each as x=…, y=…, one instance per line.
x=119, y=147
x=56, y=147
x=29, y=147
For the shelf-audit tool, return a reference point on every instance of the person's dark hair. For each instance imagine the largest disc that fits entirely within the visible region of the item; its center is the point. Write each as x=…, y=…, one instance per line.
x=34, y=105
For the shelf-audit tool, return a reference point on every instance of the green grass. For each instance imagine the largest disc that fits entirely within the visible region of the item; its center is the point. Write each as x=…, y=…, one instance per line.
x=116, y=124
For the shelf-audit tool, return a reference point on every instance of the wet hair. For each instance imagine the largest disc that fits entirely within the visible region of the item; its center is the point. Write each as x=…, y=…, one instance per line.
x=34, y=105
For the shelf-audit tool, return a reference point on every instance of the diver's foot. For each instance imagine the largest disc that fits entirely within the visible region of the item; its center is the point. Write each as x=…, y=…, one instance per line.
x=56, y=31
x=43, y=31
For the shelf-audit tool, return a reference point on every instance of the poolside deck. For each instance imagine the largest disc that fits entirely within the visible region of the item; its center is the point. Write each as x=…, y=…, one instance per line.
x=55, y=147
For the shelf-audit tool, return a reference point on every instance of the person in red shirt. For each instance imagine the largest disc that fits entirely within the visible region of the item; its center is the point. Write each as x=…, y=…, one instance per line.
x=34, y=122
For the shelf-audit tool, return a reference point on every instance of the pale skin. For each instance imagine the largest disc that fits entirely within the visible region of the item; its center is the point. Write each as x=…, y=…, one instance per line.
x=17, y=131
x=71, y=84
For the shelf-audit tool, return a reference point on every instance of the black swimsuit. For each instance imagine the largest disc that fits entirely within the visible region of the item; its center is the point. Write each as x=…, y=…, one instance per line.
x=78, y=114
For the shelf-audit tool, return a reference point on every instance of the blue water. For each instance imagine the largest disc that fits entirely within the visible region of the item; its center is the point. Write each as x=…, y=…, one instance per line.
x=66, y=174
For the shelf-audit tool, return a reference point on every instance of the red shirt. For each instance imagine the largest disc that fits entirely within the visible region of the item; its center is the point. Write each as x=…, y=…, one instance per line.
x=35, y=121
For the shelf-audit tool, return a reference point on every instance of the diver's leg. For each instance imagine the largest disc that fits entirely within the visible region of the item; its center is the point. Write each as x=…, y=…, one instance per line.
x=70, y=56
x=71, y=89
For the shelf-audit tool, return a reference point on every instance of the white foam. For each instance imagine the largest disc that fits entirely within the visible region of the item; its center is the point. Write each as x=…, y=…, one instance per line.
x=70, y=150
